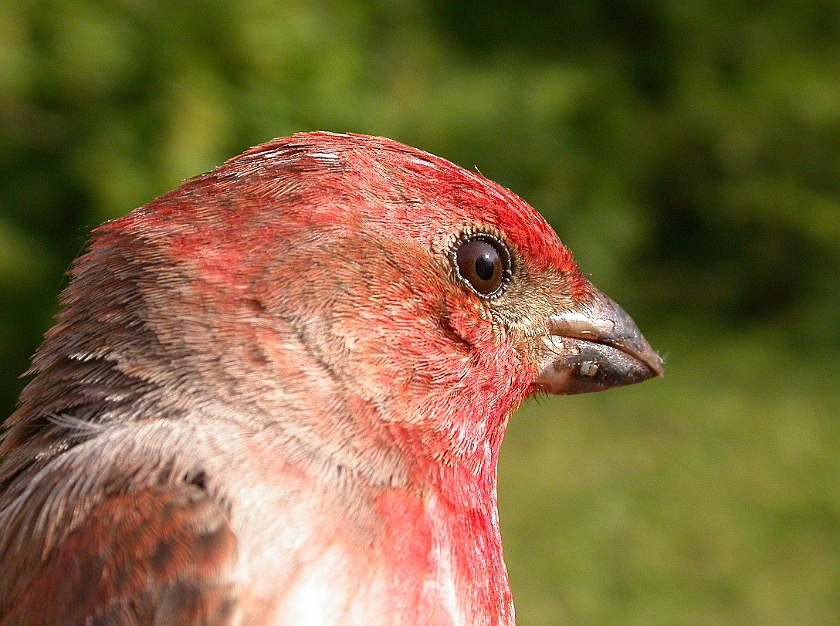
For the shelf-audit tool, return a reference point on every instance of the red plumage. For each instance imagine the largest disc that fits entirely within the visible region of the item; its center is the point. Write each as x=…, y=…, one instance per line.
x=287, y=381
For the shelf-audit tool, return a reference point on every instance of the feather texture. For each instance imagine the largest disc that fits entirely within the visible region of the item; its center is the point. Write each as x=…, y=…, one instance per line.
x=270, y=397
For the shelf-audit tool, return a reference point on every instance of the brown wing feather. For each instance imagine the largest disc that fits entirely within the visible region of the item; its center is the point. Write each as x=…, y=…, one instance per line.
x=154, y=556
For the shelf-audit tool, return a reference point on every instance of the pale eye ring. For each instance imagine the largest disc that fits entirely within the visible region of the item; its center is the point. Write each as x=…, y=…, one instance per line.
x=482, y=262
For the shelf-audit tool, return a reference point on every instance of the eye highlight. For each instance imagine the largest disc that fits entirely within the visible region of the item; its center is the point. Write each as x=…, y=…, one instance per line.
x=483, y=263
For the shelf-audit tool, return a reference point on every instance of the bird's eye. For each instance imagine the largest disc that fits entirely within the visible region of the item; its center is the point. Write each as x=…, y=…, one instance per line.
x=483, y=263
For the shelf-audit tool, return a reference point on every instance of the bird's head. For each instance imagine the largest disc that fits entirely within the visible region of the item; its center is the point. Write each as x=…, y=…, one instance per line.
x=369, y=301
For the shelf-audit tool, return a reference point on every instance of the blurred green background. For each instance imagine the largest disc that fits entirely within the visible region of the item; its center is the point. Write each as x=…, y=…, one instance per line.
x=687, y=152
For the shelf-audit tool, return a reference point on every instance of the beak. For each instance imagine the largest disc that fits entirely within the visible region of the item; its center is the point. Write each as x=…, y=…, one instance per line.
x=595, y=345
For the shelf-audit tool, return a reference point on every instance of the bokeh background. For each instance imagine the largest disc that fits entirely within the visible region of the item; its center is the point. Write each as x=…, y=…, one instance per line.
x=687, y=152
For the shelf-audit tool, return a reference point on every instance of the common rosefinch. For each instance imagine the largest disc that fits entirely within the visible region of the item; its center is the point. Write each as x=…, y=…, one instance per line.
x=276, y=395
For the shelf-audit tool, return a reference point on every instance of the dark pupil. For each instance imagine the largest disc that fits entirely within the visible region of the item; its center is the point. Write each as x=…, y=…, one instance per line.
x=484, y=267
x=480, y=264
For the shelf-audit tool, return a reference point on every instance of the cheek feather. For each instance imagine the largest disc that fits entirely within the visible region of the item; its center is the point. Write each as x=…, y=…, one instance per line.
x=468, y=321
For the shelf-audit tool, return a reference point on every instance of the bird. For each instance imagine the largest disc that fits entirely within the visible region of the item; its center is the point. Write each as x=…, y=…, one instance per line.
x=276, y=395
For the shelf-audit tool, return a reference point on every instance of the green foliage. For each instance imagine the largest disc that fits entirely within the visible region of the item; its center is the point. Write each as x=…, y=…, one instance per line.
x=688, y=153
